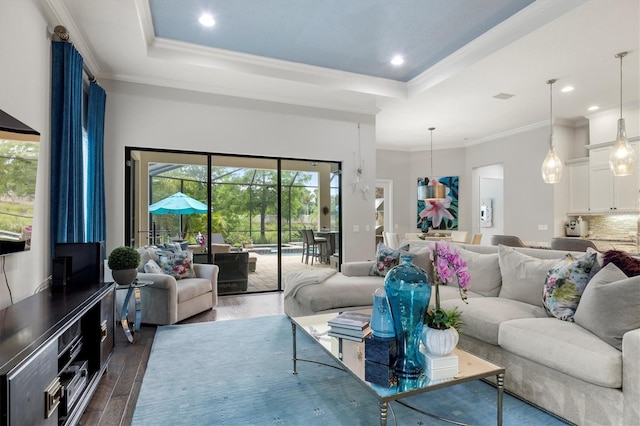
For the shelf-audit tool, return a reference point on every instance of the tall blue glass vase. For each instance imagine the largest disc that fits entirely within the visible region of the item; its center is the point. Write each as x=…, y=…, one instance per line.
x=408, y=290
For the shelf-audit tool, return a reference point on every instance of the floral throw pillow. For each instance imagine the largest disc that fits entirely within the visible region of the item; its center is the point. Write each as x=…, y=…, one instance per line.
x=386, y=259
x=565, y=284
x=179, y=265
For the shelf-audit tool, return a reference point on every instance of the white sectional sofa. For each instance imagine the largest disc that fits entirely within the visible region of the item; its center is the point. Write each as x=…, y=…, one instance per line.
x=563, y=367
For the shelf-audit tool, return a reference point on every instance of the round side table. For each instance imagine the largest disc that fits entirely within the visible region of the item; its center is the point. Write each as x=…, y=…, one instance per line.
x=134, y=288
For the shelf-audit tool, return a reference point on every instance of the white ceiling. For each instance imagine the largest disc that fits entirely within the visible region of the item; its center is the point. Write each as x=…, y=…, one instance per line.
x=573, y=41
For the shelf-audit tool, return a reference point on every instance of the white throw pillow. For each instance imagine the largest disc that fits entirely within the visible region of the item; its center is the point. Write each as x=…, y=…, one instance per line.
x=609, y=305
x=151, y=267
x=484, y=270
x=523, y=276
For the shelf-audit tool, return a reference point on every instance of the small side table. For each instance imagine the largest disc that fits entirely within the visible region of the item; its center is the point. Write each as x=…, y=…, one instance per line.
x=133, y=288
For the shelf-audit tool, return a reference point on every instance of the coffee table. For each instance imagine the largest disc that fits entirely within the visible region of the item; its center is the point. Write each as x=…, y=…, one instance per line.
x=349, y=356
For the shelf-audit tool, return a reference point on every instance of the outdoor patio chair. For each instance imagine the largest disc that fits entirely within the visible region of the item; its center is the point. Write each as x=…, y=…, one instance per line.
x=313, y=246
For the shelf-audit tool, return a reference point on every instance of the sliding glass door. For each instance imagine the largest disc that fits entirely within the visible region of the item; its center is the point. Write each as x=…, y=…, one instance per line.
x=254, y=214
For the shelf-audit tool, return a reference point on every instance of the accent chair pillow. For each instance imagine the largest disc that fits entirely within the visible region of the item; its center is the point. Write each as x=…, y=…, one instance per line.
x=523, y=276
x=146, y=253
x=610, y=305
x=151, y=267
x=386, y=259
x=627, y=264
x=565, y=284
x=484, y=270
x=179, y=265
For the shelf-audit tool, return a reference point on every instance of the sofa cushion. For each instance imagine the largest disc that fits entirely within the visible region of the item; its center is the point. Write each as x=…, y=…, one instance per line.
x=610, y=305
x=179, y=265
x=523, y=276
x=189, y=288
x=563, y=346
x=421, y=258
x=484, y=270
x=564, y=285
x=482, y=316
x=386, y=259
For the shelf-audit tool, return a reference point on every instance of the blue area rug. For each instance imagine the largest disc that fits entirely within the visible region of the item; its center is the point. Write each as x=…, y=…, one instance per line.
x=240, y=373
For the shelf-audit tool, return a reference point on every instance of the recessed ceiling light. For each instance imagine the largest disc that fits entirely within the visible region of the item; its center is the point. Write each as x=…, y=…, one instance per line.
x=594, y=108
x=397, y=60
x=206, y=20
x=566, y=89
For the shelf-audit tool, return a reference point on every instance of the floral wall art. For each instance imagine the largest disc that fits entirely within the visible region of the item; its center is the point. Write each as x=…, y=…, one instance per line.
x=439, y=214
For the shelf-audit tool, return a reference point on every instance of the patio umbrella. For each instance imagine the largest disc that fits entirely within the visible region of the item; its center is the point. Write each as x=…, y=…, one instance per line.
x=179, y=204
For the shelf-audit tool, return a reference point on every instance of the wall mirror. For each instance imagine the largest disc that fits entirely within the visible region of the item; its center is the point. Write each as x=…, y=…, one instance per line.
x=19, y=148
x=486, y=213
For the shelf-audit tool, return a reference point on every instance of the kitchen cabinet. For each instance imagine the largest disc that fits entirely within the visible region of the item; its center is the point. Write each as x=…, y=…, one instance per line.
x=608, y=193
x=578, y=175
x=54, y=348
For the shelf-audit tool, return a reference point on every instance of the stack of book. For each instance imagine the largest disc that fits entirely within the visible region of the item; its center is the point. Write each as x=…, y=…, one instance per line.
x=350, y=325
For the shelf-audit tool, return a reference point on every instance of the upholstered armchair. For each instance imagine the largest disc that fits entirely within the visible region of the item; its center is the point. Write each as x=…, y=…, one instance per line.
x=168, y=300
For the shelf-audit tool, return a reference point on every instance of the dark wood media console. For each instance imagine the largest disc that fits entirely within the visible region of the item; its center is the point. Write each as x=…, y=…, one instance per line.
x=54, y=348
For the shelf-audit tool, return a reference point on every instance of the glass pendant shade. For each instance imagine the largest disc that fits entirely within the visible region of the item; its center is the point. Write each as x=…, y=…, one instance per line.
x=622, y=157
x=552, y=167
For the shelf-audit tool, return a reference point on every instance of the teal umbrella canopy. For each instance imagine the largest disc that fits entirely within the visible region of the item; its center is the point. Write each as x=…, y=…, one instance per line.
x=178, y=203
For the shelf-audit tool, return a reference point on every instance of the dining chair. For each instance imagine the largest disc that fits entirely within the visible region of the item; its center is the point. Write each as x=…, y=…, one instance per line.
x=571, y=244
x=391, y=239
x=459, y=236
x=476, y=238
x=507, y=240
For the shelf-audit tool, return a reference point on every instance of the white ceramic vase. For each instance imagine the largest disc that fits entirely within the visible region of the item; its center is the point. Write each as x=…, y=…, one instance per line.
x=439, y=342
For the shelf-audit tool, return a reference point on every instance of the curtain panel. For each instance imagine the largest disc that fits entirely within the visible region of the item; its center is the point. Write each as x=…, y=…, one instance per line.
x=67, y=193
x=96, y=220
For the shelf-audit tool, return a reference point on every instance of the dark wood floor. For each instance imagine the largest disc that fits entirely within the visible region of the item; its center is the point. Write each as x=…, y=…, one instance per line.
x=115, y=398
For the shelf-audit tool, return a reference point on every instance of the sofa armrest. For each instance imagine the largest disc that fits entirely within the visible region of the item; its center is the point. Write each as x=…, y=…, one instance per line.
x=631, y=376
x=357, y=269
x=160, y=299
x=209, y=272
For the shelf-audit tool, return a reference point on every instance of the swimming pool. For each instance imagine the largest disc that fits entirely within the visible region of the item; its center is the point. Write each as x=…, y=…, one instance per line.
x=286, y=249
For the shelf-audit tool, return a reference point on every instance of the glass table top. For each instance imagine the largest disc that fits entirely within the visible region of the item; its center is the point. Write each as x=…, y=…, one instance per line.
x=349, y=355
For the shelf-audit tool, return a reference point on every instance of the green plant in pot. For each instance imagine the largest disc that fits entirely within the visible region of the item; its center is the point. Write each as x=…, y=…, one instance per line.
x=123, y=262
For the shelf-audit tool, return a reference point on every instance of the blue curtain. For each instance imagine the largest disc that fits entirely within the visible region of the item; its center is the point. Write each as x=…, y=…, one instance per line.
x=67, y=195
x=96, y=222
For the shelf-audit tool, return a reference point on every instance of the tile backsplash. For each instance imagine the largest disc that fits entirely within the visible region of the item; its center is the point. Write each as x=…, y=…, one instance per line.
x=612, y=227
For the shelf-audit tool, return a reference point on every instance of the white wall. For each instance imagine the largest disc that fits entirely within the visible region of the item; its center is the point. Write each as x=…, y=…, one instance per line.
x=147, y=116
x=25, y=75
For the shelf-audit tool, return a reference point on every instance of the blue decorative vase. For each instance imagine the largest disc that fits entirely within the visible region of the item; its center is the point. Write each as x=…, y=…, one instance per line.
x=381, y=320
x=408, y=291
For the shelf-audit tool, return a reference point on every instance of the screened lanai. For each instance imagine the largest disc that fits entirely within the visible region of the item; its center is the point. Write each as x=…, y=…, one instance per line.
x=256, y=205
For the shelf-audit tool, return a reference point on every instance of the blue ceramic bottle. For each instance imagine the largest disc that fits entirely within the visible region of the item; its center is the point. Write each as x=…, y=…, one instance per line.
x=408, y=291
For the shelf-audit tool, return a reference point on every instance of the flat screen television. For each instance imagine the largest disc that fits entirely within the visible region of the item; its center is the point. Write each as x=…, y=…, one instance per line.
x=19, y=150
x=83, y=264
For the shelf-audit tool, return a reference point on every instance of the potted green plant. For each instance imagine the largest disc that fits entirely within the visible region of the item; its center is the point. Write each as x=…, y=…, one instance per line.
x=123, y=262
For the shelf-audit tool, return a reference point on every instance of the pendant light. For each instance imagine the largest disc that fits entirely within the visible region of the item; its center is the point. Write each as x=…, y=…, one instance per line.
x=431, y=192
x=552, y=165
x=622, y=157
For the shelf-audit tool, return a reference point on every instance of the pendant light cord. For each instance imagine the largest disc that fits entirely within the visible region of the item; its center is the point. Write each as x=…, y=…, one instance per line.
x=621, y=55
x=550, y=83
x=431, y=129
